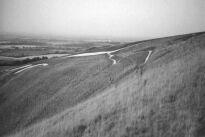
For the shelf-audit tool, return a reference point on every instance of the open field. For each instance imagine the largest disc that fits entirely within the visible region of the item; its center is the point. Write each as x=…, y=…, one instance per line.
x=14, y=52
x=33, y=47
x=152, y=88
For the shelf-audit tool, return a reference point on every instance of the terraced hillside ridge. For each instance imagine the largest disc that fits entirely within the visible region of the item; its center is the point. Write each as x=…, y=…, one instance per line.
x=152, y=88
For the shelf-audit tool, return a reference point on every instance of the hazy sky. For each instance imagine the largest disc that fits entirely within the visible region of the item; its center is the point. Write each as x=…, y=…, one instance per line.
x=106, y=18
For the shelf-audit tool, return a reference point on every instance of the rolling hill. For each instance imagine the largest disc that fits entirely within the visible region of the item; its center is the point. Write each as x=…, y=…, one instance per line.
x=155, y=89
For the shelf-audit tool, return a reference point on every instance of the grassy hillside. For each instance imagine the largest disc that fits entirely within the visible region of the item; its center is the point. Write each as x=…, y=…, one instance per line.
x=89, y=97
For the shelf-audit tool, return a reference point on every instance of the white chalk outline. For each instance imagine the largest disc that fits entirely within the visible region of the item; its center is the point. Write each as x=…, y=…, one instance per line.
x=43, y=64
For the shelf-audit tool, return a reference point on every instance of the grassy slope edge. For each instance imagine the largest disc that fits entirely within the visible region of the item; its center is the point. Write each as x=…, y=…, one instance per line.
x=166, y=100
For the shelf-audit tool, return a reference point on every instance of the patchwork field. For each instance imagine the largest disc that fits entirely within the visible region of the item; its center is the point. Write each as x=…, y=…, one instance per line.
x=152, y=88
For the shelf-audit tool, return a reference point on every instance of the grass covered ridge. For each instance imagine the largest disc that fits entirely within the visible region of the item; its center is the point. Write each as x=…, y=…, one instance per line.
x=165, y=100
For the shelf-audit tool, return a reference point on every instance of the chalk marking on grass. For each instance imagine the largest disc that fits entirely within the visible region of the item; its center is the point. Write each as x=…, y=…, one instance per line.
x=149, y=54
x=19, y=67
x=43, y=64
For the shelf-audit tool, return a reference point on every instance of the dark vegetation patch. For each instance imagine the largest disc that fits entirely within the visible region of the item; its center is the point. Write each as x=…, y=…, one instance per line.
x=20, y=62
x=77, y=131
x=2, y=98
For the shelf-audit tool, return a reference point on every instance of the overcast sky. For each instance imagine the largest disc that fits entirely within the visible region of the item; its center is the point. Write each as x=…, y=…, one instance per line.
x=102, y=18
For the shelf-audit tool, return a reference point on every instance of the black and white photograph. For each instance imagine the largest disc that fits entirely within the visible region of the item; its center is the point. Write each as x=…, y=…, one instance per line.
x=102, y=68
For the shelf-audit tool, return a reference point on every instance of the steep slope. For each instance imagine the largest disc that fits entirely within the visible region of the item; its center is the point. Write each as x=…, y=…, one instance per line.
x=162, y=97
x=40, y=92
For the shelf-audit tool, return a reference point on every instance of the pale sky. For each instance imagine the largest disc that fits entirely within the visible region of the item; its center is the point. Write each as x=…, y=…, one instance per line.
x=102, y=18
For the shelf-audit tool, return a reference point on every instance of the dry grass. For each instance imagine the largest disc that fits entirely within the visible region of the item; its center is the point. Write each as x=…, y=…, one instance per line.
x=165, y=99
